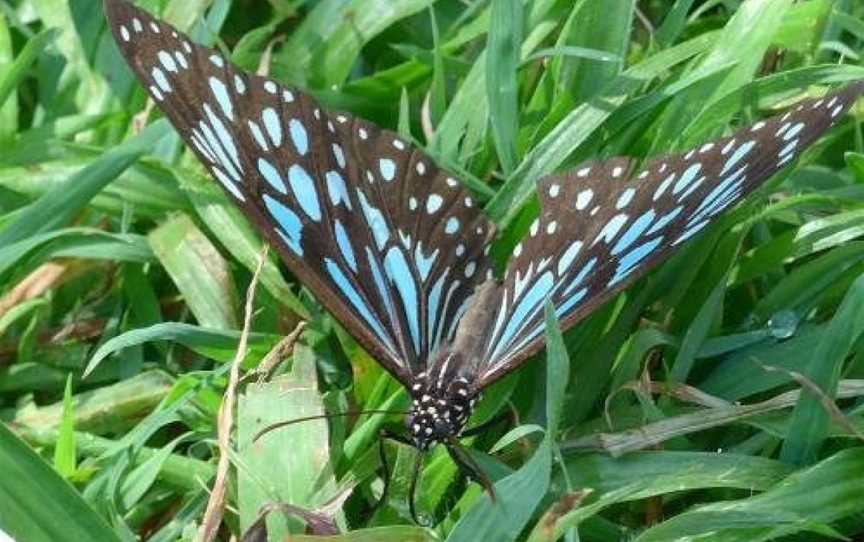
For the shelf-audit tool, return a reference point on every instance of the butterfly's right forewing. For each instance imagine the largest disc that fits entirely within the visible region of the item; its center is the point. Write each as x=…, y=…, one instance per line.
x=603, y=225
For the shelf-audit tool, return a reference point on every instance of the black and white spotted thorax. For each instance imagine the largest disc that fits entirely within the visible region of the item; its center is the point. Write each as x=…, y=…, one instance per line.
x=439, y=410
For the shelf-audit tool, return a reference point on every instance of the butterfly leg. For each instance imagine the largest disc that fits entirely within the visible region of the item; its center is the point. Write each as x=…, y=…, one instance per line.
x=474, y=431
x=387, y=434
x=466, y=462
x=412, y=500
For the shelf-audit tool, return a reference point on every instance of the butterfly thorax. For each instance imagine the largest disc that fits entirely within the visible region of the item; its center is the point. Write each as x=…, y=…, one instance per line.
x=440, y=409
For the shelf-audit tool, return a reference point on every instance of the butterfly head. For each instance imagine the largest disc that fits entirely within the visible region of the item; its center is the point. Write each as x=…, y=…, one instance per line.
x=439, y=410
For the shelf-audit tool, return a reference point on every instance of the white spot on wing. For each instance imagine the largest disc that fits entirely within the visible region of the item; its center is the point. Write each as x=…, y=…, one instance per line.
x=611, y=229
x=584, y=198
x=161, y=80
x=387, y=167
x=433, y=203
x=625, y=198
x=339, y=155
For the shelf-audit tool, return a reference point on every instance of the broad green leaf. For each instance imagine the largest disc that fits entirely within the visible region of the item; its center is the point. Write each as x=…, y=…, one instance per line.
x=302, y=477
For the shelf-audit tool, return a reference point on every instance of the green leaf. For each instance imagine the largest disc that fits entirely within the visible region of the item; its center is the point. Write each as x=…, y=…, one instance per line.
x=8, y=110
x=502, y=86
x=516, y=498
x=64, y=453
x=214, y=343
x=199, y=272
x=58, y=206
x=38, y=505
x=642, y=475
x=10, y=78
x=396, y=533
x=557, y=371
x=810, y=419
x=105, y=409
x=323, y=49
x=805, y=501
x=142, y=477
x=303, y=477
x=697, y=333
x=573, y=51
x=579, y=124
x=76, y=242
x=661, y=472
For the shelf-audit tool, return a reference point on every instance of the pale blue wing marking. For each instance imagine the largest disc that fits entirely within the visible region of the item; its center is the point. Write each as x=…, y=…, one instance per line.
x=354, y=298
x=304, y=190
x=299, y=136
x=629, y=261
x=344, y=244
x=272, y=125
x=396, y=267
x=633, y=232
x=288, y=221
x=271, y=175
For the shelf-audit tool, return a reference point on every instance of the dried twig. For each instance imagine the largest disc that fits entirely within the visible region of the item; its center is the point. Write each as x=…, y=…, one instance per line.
x=216, y=504
x=649, y=435
x=825, y=400
x=275, y=356
x=44, y=278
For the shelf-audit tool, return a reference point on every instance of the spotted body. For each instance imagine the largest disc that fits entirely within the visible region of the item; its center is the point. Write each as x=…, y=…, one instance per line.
x=440, y=409
x=398, y=250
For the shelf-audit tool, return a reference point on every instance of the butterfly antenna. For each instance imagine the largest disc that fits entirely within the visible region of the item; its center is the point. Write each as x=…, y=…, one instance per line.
x=467, y=463
x=279, y=425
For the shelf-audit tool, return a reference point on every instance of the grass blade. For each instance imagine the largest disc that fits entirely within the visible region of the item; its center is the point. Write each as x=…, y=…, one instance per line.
x=809, y=422
x=502, y=86
x=38, y=505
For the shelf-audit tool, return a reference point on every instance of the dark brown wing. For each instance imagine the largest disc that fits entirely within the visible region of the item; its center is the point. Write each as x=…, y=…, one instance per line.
x=601, y=228
x=388, y=242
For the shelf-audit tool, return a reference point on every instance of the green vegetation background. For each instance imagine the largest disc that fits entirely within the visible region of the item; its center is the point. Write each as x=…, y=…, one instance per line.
x=673, y=413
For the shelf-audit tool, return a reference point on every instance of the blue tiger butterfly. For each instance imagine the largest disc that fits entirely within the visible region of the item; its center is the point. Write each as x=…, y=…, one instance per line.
x=398, y=250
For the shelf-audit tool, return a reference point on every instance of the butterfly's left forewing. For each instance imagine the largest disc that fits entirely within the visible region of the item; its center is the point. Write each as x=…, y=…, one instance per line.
x=389, y=243
x=600, y=228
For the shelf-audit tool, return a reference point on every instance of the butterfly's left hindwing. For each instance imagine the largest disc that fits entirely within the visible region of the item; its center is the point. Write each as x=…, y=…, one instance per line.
x=601, y=228
x=389, y=243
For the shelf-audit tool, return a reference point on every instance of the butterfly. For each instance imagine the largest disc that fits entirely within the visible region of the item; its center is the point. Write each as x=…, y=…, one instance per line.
x=398, y=250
